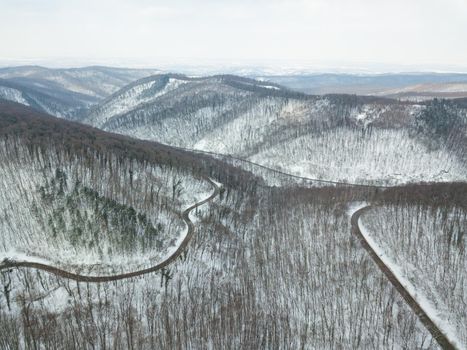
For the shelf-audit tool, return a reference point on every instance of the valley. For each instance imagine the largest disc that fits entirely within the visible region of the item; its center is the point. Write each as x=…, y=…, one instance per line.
x=175, y=211
x=287, y=131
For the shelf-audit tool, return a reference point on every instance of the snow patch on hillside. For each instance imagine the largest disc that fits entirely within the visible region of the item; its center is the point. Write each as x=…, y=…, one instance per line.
x=209, y=144
x=367, y=114
x=12, y=95
x=132, y=98
x=270, y=87
x=68, y=84
x=15, y=255
x=353, y=207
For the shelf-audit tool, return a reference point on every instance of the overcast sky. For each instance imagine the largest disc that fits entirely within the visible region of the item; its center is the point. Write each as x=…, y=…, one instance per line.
x=413, y=33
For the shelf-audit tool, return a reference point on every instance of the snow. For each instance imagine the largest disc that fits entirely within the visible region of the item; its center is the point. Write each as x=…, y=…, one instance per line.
x=257, y=83
x=421, y=299
x=12, y=95
x=218, y=184
x=24, y=228
x=273, y=267
x=367, y=114
x=353, y=207
x=132, y=98
x=57, y=301
x=270, y=87
x=15, y=255
x=210, y=144
x=65, y=82
x=286, y=135
x=379, y=157
x=172, y=249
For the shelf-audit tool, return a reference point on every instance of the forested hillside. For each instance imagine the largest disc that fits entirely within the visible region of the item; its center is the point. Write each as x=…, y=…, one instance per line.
x=181, y=249
x=95, y=81
x=335, y=137
x=46, y=97
x=89, y=200
x=64, y=93
x=427, y=244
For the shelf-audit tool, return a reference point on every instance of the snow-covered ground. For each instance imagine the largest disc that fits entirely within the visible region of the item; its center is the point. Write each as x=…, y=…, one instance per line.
x=288, y=266
x=132, y=98
x=12, y=95
x=93, y=219
x=328, y=138
x=413, y=242
x=386, y=157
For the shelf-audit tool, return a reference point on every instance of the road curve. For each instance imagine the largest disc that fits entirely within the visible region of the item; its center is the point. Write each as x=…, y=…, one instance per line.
x=97, y=279
x=436, y=333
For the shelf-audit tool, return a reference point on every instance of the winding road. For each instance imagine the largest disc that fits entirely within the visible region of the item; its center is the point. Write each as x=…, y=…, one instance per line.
x=436, y=333
x=97, y=279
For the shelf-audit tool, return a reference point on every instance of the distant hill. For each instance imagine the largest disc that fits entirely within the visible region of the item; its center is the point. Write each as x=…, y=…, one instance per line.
x=337, y=137
x=65, y=93
x=93, y=81
x=46, y=96
x=410, y=86
x=232, y=114
x=174, y=93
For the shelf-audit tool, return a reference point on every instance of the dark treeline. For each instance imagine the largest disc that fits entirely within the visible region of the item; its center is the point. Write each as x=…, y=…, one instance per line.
x=431, y=194
x=39, y=131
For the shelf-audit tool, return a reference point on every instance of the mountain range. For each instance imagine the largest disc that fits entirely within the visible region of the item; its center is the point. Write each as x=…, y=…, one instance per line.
x=65, y=93
x=360, y=139
x=404, y=86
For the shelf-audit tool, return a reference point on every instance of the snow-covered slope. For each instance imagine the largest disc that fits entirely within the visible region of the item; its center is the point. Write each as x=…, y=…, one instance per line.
x=64, y=93
x=84, y=199
x=98, y=82
x=172, y=96
x=424, y=246
x=94, y=201
x=224, y=113
x=46, y=97
x=135, y=95
x=380, y=156
x=12, y=94
x=334, y=137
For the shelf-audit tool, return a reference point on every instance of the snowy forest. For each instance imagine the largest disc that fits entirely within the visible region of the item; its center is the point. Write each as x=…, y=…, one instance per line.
x=223, y=212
